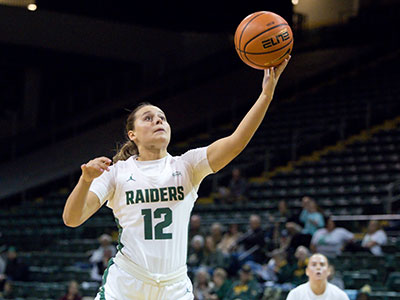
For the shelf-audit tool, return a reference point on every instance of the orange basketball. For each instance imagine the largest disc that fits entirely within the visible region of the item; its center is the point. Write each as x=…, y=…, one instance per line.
x=263, y=39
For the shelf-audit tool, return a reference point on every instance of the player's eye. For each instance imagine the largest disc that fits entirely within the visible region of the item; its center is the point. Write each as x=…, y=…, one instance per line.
x=147, y=118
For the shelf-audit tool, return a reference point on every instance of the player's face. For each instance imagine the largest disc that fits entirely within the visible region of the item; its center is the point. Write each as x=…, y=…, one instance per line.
x=151, y=128
x=317, y=269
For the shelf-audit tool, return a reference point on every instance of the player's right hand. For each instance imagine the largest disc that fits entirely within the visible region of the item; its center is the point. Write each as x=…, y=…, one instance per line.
x=95, y=167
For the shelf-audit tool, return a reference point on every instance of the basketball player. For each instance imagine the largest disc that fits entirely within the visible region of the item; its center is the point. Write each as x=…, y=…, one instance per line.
x=317, y=286
x=152, y=194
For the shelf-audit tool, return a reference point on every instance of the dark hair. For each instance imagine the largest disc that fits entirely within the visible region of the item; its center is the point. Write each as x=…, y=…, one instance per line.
x=129, y=148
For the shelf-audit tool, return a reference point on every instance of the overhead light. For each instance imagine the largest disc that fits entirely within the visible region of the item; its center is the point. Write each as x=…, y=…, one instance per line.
x=295, y=2
x=32, y=7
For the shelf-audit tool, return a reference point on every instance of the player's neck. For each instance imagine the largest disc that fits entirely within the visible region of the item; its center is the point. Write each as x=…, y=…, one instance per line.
x=318, y=288
x=151, y=154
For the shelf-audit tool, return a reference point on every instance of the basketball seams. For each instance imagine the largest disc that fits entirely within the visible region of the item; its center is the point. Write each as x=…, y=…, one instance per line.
x=263, y=66
x=244, y=28
x=271, y=56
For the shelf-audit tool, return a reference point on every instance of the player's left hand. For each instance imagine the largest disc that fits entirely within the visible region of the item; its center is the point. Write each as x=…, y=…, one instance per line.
x=271, y=77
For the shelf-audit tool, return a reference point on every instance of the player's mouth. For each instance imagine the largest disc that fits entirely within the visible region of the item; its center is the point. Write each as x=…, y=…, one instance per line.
x=159, y=130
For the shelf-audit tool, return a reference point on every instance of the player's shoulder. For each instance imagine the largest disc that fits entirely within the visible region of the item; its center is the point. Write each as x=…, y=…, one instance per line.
x=297, y=291
x=122, y=165
x=192, y=155
x=337, y=291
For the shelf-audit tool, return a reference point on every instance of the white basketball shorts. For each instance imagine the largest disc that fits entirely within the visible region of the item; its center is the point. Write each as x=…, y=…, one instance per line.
x=122, y=282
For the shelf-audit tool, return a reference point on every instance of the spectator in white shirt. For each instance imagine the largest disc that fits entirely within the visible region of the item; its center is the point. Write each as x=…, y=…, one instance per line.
x=330, y=240
x=100, y=255
x=374, y=238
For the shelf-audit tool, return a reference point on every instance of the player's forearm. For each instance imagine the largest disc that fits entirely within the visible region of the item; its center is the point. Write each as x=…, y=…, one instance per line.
x=74, y=207
x=250, y=123
x=224, y=150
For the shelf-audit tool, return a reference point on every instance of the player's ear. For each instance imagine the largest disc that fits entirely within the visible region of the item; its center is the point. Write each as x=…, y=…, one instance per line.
x=307, y=271
x=132, y=135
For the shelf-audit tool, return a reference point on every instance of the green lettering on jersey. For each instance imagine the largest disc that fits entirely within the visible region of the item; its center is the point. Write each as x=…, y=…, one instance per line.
x=154, y=197
x=139, y=196
x=181, y=194
x=129, y=197
x=172, y=193
x=163, y=194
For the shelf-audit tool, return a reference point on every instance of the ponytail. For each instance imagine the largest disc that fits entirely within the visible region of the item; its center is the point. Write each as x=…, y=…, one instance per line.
x=127, y=150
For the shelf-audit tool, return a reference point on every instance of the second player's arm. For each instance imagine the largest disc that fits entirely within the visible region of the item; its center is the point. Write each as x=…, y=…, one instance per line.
x=224, y=150
x=82, y=203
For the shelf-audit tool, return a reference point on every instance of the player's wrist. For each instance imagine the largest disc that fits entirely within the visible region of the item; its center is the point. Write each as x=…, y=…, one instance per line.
x=86, y=180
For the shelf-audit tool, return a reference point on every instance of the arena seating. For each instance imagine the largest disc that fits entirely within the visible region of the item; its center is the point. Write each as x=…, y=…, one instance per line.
x=338, y=144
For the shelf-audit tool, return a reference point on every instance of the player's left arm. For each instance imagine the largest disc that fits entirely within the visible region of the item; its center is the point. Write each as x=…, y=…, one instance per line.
x=224, y=150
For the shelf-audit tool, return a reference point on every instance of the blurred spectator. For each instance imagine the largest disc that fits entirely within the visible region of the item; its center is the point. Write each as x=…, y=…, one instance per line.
x=16, y=269
x=202, y=285
x=374, y=238
x=279, y=220
x=105, y=244
x=246, y=288
x=295, y=238
x=253, y=241
x=2, y=264
x=72, y=292
x=237, y=187
x=277, y=269
x=216, y=232
x=372, y=241
x=100, y=256
x=236, y=190
x=283, y=214
x=99, y=267
x=8, y=291
x=302, y=255
x=213, y=257
x=335, y=277
x=311, y=217
x=229, y=239
x=195, y=253
x=330, y=241
x=363, y=296
x=2, y=271
x=222, y=285
x=195, y=227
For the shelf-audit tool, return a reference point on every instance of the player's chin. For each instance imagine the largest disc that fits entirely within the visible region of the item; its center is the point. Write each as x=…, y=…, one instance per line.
x=161, y=140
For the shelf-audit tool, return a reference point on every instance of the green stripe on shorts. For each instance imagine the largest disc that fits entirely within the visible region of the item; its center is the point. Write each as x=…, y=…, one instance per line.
x=102, y=294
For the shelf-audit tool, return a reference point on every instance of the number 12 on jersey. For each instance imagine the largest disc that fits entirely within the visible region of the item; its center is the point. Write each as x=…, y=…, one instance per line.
x=159, y=233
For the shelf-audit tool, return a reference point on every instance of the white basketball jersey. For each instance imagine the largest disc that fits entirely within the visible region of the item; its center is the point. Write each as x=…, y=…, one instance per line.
x=152, y=202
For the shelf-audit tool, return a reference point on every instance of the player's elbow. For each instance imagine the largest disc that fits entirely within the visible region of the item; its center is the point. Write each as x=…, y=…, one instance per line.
x=69, y=221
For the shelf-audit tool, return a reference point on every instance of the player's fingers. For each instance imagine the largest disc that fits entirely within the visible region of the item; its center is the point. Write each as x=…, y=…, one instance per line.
x=105, y=160
x=104, y=166
x=282, y=67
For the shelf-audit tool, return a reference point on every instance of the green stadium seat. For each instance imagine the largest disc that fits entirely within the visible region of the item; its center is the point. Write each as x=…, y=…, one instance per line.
x=393, y=281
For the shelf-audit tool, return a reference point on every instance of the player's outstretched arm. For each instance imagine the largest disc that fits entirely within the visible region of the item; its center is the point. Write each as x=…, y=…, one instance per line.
x=224, y=150
x=81, y=203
